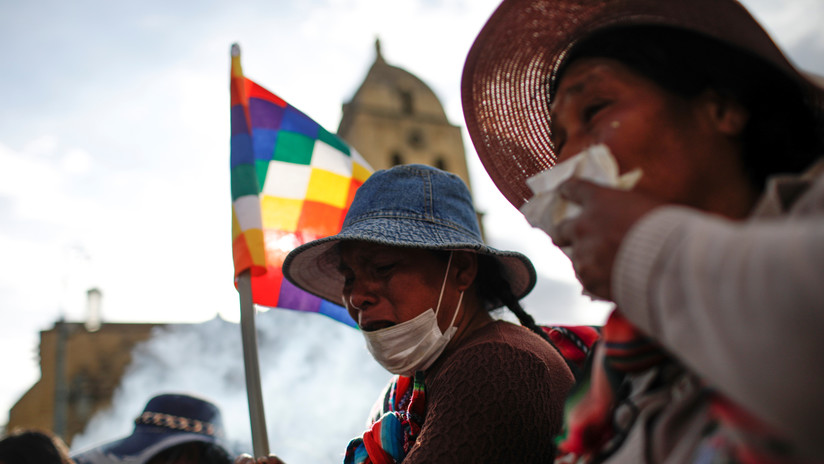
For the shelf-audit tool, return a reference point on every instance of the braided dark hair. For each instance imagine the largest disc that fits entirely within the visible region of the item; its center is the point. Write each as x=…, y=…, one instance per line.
x=494, y=289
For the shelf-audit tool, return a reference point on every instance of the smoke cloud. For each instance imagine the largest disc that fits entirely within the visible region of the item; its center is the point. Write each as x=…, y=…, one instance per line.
x=318, y=382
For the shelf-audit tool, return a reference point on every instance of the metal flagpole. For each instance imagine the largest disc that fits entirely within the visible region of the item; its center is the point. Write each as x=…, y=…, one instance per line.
x=260, y=441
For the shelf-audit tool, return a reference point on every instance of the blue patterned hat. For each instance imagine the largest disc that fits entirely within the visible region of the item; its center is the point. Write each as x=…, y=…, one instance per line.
x=167, y=420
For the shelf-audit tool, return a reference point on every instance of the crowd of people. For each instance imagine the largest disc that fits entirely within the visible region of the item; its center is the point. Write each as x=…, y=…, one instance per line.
x=714, y=259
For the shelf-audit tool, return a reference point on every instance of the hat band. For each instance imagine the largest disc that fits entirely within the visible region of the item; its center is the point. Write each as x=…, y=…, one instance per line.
x=175, y=423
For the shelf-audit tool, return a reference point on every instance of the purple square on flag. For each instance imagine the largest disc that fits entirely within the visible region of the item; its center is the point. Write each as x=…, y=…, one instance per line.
x=238, y=119
x=264, y=114
x=292, y=297
x=295, y=121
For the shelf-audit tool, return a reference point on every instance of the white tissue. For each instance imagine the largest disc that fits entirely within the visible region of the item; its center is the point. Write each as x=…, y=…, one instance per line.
x=546, y=209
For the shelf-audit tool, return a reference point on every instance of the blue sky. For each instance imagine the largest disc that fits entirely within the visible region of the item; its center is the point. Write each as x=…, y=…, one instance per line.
x=114, y=129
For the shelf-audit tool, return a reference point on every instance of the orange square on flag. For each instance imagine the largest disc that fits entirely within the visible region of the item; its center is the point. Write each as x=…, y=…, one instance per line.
x=320, y=219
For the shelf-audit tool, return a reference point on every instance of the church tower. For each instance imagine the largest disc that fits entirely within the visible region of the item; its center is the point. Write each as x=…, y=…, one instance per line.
x=394, y=118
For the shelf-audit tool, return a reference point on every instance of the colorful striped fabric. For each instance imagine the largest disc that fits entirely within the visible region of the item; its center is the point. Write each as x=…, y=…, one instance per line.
x=292, y=182
x=395, y=426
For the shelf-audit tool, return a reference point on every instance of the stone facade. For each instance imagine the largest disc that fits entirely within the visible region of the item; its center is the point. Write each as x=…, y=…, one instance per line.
x=92, y=363
x=395, y=118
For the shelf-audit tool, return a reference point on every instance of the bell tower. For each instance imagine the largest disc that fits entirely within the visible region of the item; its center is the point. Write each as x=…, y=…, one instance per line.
x=395, y=118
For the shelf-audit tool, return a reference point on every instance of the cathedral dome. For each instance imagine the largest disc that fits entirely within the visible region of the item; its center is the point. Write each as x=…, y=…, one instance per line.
x=395, y=118
x=389, y=90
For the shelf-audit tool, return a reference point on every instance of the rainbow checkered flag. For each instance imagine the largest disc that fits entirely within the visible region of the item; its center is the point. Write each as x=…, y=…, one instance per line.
x=292, y=182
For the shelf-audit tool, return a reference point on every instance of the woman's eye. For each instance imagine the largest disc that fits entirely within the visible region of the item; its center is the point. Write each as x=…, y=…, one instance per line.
x=590, y=111
x=384, y=268
x=348, y=278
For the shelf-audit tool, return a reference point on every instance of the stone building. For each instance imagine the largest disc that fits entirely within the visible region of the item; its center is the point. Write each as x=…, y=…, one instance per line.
x=91, y=362
x=395, y=118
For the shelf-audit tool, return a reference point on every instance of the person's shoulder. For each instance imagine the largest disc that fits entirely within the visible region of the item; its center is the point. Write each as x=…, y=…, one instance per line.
x=503, y=361
x=503, y=346
x=505, y=333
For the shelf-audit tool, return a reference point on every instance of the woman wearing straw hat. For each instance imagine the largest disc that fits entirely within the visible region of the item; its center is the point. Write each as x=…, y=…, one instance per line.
x=715, y=258
x=410, y=266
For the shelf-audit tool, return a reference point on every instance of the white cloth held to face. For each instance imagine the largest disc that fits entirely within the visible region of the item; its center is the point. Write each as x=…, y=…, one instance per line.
x=546, y=209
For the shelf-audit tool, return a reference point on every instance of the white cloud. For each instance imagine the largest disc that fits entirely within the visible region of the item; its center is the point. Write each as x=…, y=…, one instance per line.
x=77, y=161
x=26, y=175
x=43, y=146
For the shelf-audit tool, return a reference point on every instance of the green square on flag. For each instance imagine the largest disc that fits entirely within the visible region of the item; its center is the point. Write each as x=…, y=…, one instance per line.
x=294, y=148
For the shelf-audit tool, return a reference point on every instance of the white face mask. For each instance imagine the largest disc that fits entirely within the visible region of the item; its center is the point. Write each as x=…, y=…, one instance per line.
x=415, y=344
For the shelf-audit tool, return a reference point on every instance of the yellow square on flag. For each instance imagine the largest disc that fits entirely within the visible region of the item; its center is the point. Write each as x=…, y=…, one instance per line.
x=360, y=172
x=329, y=188
x=280, y=213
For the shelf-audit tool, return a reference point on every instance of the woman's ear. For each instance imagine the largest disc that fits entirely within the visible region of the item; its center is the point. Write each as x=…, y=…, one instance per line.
x=726, y=114
x=465, y=264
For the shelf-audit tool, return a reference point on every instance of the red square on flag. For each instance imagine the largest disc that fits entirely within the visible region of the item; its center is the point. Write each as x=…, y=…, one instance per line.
x=320, y=219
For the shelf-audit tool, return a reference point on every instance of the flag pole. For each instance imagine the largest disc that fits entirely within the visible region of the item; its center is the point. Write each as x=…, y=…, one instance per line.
x=260, y=442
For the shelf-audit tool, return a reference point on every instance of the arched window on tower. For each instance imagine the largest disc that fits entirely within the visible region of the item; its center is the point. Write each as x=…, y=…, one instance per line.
x=396, y=159
x=406, y=102
x=440, y=163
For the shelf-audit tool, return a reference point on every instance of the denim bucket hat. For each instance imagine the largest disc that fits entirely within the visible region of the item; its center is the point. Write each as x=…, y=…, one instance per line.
x=412, y=206
x=167, y=420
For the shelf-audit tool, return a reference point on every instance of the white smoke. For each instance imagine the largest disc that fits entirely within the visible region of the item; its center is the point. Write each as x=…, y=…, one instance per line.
x=318, y=382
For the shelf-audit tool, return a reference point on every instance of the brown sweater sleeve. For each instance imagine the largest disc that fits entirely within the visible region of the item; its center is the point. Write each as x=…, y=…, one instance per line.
x=499, y=399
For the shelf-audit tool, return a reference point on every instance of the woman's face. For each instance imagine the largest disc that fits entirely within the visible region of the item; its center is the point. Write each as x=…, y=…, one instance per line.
x=388, y=285
x=670, y=138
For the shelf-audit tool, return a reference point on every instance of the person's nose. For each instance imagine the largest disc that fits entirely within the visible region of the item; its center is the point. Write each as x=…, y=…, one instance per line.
x=359, y=301
x=362, y=295
x=572, y=147
x=578, y=138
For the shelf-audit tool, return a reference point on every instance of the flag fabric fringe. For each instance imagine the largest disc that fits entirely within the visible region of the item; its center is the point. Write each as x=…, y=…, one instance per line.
x=292, y=182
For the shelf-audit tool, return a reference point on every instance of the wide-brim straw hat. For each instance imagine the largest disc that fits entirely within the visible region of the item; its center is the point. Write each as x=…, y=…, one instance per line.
x=510, y=69
x=411, y=206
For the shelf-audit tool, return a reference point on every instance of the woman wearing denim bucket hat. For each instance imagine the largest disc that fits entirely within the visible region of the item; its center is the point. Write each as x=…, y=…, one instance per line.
x=410, y=266
x=715, y=258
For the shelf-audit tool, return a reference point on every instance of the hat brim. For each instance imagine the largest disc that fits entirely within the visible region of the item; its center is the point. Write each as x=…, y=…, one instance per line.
x=509, y=70
x=314, y=267
x=139, y=447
